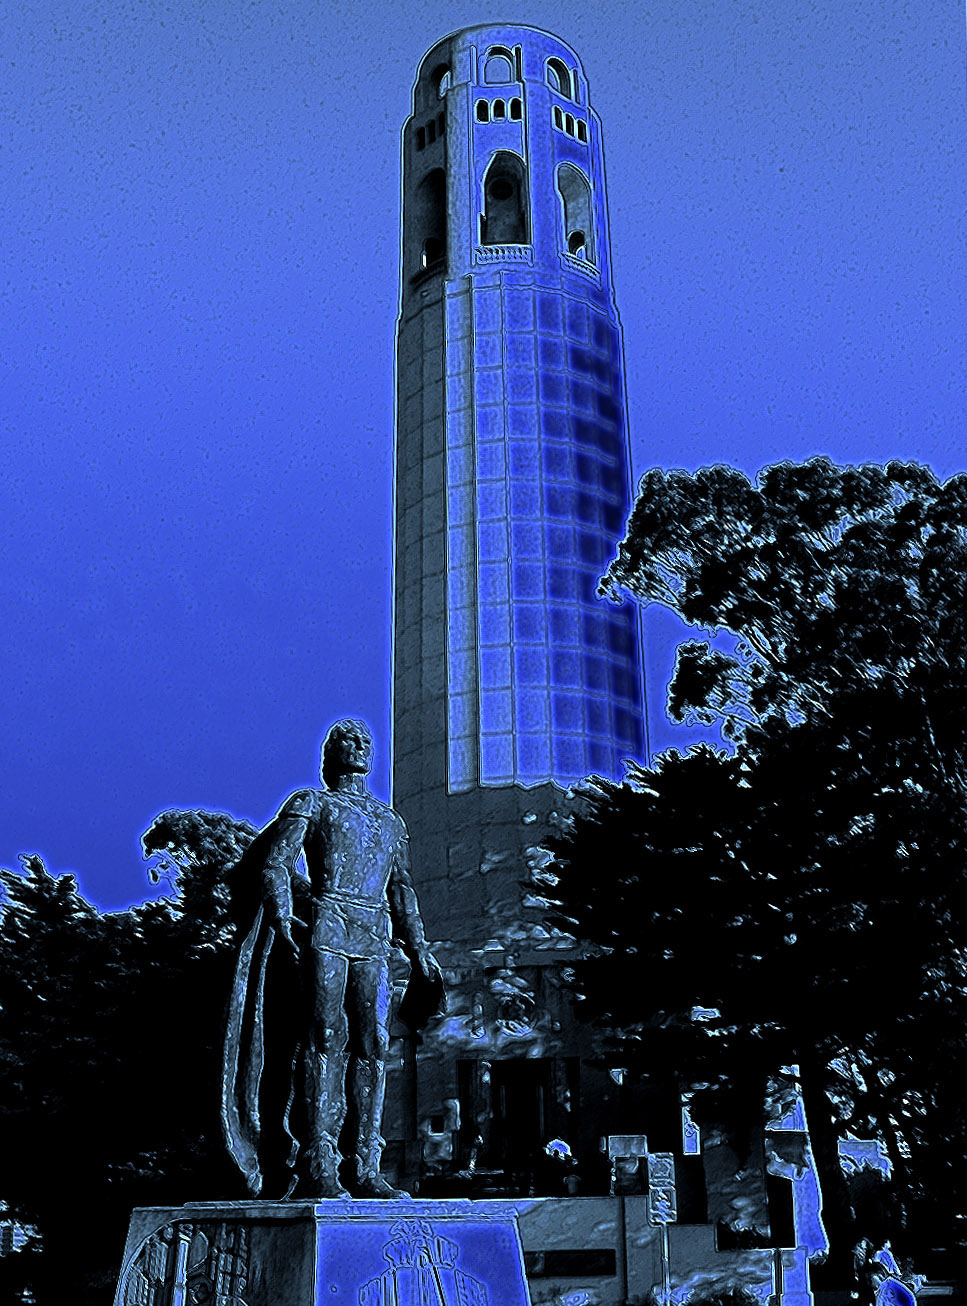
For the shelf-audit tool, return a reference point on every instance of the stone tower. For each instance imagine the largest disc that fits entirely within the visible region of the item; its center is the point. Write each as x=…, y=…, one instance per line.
x=511, y=678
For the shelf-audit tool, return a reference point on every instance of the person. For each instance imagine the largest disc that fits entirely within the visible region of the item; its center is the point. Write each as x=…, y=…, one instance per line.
x=864, y=1290
x=892, y=1287
x=324, y=941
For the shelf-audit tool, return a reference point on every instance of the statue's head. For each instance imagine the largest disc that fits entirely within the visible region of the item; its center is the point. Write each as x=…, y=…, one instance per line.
x=347, y=750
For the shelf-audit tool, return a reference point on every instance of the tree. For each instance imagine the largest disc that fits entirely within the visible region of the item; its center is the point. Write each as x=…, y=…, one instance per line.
x=798, y=899
x=110, y=1029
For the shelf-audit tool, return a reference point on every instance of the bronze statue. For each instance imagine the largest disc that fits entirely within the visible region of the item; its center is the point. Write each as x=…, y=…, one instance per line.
x=320, y=949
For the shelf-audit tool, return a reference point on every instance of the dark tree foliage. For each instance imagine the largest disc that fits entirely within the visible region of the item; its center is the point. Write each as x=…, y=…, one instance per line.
x=802, y=898
x=110, y=1027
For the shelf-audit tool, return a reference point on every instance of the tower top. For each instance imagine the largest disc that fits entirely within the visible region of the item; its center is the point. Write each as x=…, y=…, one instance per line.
x=472, y=54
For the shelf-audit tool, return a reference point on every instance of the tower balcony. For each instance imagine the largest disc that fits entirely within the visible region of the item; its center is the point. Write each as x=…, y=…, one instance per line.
x=580, y=265
x=504, y=254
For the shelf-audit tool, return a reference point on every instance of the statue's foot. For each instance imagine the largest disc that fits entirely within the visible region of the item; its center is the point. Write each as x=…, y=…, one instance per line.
x=320, y=1171
x=374, y=1185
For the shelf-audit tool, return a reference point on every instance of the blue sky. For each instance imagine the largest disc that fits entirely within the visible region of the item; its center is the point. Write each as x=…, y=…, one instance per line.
x=198, y=292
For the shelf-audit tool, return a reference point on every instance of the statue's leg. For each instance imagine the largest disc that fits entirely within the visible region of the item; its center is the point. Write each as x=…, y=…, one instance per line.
x=368, y=998
x=325, y=1073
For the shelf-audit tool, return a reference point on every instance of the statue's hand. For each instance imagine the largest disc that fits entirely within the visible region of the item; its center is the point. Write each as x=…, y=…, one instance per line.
x=428, y=966
x=284, y=928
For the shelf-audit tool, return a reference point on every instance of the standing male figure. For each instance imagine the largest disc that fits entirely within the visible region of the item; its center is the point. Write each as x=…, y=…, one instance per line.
x=334, y=928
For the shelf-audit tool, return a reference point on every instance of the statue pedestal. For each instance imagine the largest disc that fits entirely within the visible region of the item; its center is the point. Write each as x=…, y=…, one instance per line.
x=341, y=1252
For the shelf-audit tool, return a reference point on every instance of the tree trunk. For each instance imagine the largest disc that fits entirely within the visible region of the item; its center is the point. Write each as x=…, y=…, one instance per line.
x=837, y=1212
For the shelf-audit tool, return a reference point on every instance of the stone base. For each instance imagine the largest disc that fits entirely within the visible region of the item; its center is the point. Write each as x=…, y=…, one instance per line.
x=342, y=1252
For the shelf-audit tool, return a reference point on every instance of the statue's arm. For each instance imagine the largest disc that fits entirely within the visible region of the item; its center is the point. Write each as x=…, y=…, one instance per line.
x=403, y=905
x=289, y=835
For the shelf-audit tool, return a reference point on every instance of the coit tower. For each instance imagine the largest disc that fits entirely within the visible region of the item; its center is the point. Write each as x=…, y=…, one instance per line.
x=511, y=678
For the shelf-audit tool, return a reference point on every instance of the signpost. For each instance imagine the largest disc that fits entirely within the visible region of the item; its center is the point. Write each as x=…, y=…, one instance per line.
x=662, y=1208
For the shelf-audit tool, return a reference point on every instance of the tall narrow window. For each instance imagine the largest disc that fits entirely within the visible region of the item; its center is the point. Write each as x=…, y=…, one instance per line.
x=582, y=131
x=433, y=251
x=575, y=192
x=504, y=220
x=421, y=138
x=516, y=110
x=431, y=131
x=569, y=124
x=559, y=78
x=483, y=111
x=430, y=219
x=500, y=110
x=558, y=117
x=440, y=80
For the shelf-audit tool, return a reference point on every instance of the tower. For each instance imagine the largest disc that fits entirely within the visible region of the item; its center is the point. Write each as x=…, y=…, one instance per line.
x=512, y=679
x=512, y=461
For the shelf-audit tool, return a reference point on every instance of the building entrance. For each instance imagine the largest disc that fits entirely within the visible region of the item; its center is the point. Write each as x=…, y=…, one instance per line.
x=511, y=1112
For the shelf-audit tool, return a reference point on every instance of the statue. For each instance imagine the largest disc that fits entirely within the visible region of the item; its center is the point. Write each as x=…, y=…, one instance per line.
x=307, y=1032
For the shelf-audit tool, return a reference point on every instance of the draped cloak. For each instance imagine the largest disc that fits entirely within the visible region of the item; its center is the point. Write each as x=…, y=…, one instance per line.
x=243, y=1061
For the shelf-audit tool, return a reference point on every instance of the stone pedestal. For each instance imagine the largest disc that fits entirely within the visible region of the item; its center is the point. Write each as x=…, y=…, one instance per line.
x=329, y=1253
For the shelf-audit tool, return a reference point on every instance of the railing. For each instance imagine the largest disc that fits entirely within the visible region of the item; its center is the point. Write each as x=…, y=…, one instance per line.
x=581, y=265
x=503, y=254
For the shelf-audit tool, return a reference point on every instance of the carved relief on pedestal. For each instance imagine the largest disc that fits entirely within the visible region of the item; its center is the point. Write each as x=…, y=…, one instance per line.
x=191, y=1264
x=422, y=1272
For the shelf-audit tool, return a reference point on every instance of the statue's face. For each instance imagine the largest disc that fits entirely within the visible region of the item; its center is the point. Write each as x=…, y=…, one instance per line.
x=350, y=748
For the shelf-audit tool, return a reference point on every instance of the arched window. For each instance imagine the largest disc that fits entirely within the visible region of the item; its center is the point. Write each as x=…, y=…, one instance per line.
x=504, y=219
x=499, y=67
x=429, y=220
x=559, y=78
x=440, y=79
x=558, y=117
x=433, y=250
x=569, y=124
x=582, y=131
x=500, y=110
x=575, y=192
x=483, y=111
x=516, y=110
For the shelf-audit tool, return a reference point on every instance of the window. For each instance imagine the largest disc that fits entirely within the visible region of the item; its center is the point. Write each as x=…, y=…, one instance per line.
x=499, y=67
x=500, y=110
x=504, y=219
x=431, y=131
x=483, y=111
x=575, y=192
x=440, y=79
x=421, y=138
x=516, y=110
x=566, y=122
x=559, y=78
x=432, y=251
x=430, y=219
